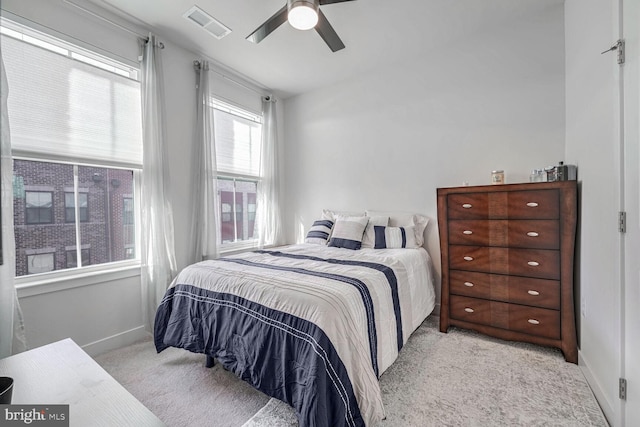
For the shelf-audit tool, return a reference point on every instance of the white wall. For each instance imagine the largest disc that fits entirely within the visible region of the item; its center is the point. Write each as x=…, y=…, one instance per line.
x=387, y=139
x=104, y=312
x=592, y=143
x=99, y=316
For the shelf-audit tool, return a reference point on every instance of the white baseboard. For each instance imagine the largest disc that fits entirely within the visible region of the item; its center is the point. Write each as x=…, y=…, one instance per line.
x=116, y=341
x=596, y=388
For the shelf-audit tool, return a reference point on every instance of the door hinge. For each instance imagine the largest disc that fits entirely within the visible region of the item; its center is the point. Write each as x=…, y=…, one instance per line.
x=622, y=221
x=619, y=46
x=622, y=388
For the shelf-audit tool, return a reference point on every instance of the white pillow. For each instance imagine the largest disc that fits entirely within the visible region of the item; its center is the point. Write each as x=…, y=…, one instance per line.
x=368, y=239
x=420, y=222
x=332, y=215
x=394, y=237
x=319, y=232
x=348, y=231
x=403, y=219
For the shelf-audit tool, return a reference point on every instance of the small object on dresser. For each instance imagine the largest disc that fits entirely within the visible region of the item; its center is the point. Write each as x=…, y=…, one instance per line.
x=537, y=176
x=550, y=172
x=566, y=172
x=497, y=177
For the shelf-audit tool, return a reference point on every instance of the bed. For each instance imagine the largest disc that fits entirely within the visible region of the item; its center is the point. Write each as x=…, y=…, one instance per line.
x=312, y=325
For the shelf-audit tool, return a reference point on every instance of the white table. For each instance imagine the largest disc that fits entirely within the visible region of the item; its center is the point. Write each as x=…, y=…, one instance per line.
x=62, y=373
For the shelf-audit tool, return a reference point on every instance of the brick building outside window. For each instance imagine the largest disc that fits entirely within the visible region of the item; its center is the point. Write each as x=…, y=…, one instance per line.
x=44, y=216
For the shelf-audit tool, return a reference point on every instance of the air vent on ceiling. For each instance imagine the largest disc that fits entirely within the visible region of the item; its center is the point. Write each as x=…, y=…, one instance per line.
x=207, y=22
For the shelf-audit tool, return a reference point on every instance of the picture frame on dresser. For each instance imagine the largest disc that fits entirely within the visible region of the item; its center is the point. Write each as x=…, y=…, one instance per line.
x=507, y=254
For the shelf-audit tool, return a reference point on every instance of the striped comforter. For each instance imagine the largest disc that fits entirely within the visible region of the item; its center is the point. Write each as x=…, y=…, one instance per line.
x=310, y=325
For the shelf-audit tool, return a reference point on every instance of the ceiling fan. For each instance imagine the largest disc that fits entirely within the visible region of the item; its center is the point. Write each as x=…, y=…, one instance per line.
x=303, y=15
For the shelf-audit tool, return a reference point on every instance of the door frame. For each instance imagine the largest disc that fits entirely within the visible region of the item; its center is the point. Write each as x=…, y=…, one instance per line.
x=629, y=16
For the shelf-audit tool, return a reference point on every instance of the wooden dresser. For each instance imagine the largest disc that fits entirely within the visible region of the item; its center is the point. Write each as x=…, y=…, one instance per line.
x=507, y=261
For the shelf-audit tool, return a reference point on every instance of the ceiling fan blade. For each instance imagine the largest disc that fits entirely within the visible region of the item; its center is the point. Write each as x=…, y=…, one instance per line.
x=323, y=2
x=279, y=18
x=327, y=33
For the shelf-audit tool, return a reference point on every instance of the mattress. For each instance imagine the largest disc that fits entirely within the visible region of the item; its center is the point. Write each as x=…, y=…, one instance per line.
x=311, y=325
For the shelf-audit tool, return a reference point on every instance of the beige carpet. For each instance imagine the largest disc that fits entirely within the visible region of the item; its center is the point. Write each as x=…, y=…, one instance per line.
x=177, y=387
x=455, y=379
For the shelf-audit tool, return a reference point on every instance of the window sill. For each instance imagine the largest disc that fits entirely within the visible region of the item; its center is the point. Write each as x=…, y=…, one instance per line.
x=236, y=248
x=28, y=286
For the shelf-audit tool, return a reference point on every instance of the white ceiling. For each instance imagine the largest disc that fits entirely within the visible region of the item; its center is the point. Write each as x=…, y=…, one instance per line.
x=289, y=62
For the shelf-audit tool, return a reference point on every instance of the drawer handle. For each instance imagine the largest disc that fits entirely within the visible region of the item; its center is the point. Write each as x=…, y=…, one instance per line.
x=532, y=234
x=467, y=232
x=533, y=263
x=534, y=321
x=467, y=206
x=469, y=284
x=468, y=258
x=534, y=293
x=469, y=310
x=532, y=204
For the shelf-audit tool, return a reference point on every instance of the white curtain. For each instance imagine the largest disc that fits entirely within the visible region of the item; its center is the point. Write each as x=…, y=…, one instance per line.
x=205, y=220
x=268, y=215
x=158, y=253
x=12, y=336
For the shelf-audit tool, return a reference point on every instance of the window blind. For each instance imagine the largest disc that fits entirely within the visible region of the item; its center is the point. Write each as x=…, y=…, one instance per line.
x=238, y=144
x=224, y=88
x=64, y=109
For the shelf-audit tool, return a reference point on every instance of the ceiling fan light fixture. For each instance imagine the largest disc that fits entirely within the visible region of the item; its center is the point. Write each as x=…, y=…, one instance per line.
x=289, y=11
x=303, y=14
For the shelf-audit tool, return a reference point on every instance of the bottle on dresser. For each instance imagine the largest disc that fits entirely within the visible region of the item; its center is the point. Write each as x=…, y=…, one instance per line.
x=561, y=172
x=537, y=175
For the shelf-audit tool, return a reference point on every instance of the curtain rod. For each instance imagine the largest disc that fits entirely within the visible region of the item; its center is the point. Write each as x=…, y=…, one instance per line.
x=197, y=65
x=115, y=24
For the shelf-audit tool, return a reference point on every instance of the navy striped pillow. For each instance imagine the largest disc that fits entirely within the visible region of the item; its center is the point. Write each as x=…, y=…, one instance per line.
x=394, y=237
x=319, y=232
x=348, y=232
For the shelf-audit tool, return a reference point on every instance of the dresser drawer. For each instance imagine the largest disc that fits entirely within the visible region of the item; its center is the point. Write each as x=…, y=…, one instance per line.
x=468, y=206
x=474, y=310
x=541, y=263
x=530, y=320
x=535, y=234
x=515, y=289
x=524, y=204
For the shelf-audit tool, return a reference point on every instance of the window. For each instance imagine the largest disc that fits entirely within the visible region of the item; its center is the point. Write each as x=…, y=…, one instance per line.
x=39, y=207
x=76, y=133
x=40, y=260
x=237, y=209
x=40, y=263
x=238, y=145
x=127, y=211
x=226, y=206
x=70, y=207
x=103, y=227
x=129, y=252
x=251, y=206
x=72, y=257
